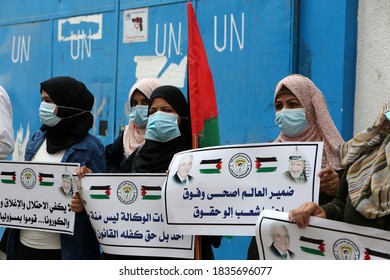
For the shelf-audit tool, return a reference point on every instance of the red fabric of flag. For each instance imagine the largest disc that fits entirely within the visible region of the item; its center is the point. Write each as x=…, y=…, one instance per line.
x=202, y=98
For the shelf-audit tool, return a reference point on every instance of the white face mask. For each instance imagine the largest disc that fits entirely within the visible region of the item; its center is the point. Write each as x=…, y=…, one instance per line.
x=47, y=115
x=388, y=115
x=139, y=115
x=162, y=127
x=291, y=121
x=49, y=118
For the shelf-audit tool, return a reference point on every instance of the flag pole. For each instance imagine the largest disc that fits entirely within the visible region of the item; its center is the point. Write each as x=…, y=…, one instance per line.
x=198, y=251
x=201, y=94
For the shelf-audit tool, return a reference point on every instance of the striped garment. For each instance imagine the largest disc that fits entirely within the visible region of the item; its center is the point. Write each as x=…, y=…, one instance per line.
x=6, y=128
x=368, y=177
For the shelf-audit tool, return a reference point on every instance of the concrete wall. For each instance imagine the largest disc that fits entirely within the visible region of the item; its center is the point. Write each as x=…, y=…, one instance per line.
x=373, y=61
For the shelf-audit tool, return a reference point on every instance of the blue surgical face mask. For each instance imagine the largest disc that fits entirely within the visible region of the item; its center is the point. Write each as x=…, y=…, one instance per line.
x=291, y=121
x=162, y=127
x=139, y=115
x=46, y=114
x=388, y=115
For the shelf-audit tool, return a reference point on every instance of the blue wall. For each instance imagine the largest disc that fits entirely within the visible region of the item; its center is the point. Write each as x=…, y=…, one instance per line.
x=327, y=40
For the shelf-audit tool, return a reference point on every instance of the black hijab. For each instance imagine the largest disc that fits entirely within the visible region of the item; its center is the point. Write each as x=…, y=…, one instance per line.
x=67, y=91
x=154, y=156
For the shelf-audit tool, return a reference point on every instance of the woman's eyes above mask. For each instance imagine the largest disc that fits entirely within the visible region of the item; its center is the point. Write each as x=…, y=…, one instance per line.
x=278, y=107
x=47, y=100
x=143, y=102
x=162, y=109
x=288, y=105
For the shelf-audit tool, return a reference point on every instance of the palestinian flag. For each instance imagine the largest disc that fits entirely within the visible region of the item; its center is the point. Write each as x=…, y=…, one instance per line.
x=8, y=177
x=317, y=246
x=150, y=192
x=211, y=166
x=372, y=253
x=201, y=92
x=46, y=179
x=100, y=192
x=260, y=161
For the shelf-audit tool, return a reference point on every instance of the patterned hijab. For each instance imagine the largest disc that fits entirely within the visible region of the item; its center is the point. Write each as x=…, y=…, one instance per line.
x=154, y=156
x=368, y=177
x=134, y=136
x=320, y=124
x=76, y=122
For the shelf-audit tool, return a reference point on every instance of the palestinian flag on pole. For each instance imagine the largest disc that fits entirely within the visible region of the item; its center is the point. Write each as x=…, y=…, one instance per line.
x=46, y=179
x=313, y=246
x=201, y=92
x=368, y=253
x=265, y=164
x=8, y=177
x=201, y=95
x=100, y=192
x=211, y=166
x=151, y=192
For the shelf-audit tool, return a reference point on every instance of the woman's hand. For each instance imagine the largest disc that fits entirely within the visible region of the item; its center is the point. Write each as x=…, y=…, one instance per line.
x=76, y=204
x=81, y=171
x=329, y=181
x=301, y=215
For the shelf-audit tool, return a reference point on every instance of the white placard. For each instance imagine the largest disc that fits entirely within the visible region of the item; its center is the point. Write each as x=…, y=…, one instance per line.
x=229, y=186
x=126, y=213
x=322, y=240
x=37, y=195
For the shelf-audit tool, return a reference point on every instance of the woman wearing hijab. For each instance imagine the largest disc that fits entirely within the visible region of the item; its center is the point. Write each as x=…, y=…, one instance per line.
x=363, y=197
x=168, y=132
x=134, y=133
x=65, y=113
x=302, y=115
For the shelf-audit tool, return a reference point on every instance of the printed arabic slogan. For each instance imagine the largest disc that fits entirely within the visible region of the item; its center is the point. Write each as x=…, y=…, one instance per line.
x=126, y=213
x=37, y=195
x=321, y=240
x=222, y=190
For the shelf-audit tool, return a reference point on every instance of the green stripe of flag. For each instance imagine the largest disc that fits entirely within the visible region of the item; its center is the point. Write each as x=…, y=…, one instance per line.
x=209, y=171
x=211, y=131
x=46, y=184
x=6, y=181
x=312, y=251
x=151, y=197
x=99, y=196
x=266, y=169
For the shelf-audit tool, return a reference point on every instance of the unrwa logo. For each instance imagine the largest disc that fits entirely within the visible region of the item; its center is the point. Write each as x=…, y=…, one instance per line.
x=127, y=192
x=345, y=249
x=28, y=178
x=240, y=165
